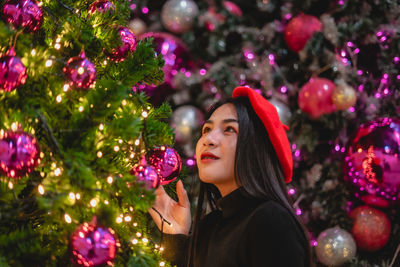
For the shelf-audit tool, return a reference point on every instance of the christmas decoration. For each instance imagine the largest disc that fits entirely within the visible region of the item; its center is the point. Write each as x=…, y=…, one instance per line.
x=211, y=19
x=335, y=247
x=167, y=162
x=371, y=228
x=19, y=153
x=23, y=13
x=129, y=44
x=299, y=30
x=344, y=96
x=283, y=110
x=178, y=15
x=137, y=26
x=101, y=6
x=315, y=97
x=186, y=120
x=232, y=8
x=93, y=245
x=12, y=71
x=80, y=72
x=372, y=161
x=147, y=174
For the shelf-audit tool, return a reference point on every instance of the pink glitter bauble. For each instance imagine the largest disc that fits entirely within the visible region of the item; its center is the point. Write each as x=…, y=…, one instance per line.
x=101, y=6
x=12, y=72
x=129, y=44
x=80, y=72
x=19, y=154
x=147, y=174
x=167, y=162
x=23, y=13
x=93, y=245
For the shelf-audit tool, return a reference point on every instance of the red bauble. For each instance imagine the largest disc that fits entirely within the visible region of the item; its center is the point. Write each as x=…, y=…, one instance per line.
x=371, y=228
x=19, y=154
x=315, y=97
x=300, y=29
x=147, y=174
x=129, y=44
x=101, y=6
x=80, y=72
x=167, y=162
x=23, y=13
x=93, y=245
x=12, y=72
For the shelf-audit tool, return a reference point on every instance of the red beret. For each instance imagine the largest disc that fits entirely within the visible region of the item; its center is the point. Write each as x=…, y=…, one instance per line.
x=276, y=130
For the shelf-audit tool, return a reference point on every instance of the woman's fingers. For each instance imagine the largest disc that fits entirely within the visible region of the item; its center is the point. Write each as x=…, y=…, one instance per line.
x=183, y=199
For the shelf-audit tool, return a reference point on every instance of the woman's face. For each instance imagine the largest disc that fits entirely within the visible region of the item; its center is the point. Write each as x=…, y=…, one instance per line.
x=215, y=150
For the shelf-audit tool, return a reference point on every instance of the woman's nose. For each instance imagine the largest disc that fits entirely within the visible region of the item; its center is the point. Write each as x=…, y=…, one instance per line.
x=212, y=138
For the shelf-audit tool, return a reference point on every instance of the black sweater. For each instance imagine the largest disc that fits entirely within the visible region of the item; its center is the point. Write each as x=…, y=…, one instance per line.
x=244, y=232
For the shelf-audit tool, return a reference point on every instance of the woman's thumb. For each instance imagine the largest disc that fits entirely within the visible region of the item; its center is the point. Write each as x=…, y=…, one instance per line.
x=183, y=199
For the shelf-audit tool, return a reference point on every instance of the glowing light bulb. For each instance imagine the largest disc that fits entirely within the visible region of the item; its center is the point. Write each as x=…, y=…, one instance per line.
x=101, y=127
x=10, y=185
x=80, y=109
x=48, y=63
x=119, y=220
x=57, y=172
x=57, y=46
x=71, y=195
x=145, y=240
x=116, y=148
x=41, y=189
x=134, y=241
x=67, y=218
x=162, y=263
x=81, y=70
x=138, y=234
x=137, y=142
x=93, y=202
x=109, y=179
x=123, y=102
x=144, y=114
x=127, y=218
x=66, y=87
x=33, y=52
x=99, y=154
x=58, y=98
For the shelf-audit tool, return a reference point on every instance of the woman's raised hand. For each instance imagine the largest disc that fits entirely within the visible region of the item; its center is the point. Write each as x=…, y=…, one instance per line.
x=176, y=213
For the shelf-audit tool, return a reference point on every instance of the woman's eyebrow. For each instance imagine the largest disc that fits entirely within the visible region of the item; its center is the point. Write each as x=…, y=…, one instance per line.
x=224, y=121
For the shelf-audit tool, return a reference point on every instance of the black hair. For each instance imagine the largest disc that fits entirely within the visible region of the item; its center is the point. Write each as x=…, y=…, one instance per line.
x=257, y=169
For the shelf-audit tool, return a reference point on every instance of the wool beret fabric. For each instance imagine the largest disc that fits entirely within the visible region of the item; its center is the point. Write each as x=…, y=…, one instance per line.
x=276, y=130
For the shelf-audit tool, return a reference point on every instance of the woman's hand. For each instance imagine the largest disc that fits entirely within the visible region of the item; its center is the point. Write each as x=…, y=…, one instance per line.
x=177, y=213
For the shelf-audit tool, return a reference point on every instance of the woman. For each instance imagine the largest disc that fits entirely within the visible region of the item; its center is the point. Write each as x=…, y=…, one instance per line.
x=244, y=216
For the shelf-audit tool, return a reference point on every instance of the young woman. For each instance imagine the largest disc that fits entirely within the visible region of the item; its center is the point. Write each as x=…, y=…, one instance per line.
x=244, y=216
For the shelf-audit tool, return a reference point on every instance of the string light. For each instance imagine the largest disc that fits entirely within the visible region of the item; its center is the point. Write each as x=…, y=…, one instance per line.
x=127, y=218
x=33, y=52
x=135, y=241
x=57, y=172
x=93, y=202
x=135, y=224
x=57, y=46
x=137, y=142
x=109, y=179
x=145, y=240
x=78, y=196
x=48, y=63
x=120, y=141
x=80, y=108
x=106, y=202
x=101, y=127
x=41, y=189
x=138, y=234
x=59, y=98
x=81, y=70
x=132, y=155
x=123, y=102
x=67, y=218
x=105, y=62
x=71, y=195
x=162, y=263
x=144, y=114
x=116, y=148
x=99, y=154
x=14, y=126
x=119, y=220
x=66, y=87
x=10, y=185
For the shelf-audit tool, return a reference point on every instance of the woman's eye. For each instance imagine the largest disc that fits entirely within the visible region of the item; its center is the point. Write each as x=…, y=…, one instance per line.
x=230, y=129
x=206, y=130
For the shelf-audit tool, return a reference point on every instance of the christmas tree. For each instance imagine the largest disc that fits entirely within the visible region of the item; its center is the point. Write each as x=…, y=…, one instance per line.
x=332, y=70
x=75, y=138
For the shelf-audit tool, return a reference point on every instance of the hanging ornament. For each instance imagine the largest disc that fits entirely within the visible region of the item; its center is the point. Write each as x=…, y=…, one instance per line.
x=129, y=44
x=344, y=96
x=186, y=121
x=371, y=228
x=101, y=6
x=167, y=162
x=12, y=71
x=335, y=246
x=233, y=8
x=178, y=16
x=147, y=174
x=283, y=110
x=372, y=162
x=94, y=245
x=137, y=26
x=299, y=30
x=19, y=153
x=315, y=97
x=80, y=72
x=23, y=13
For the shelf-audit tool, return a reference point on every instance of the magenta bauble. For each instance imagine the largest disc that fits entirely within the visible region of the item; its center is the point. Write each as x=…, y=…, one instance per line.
x=19, y=153
x=101, y=6
x=167, y=162
x=315, y=97
x=299, y=30
x=80, y=72
x=23, y=13
x=129, y=43
x=12, y=72
x=93, y=245
x=372, y=162
x=146, y=174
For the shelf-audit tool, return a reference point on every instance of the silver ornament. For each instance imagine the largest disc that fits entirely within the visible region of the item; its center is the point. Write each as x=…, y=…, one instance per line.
x=283, y=111
x=335, y=247
x=178, y=15
x=186, y=120
x=137, y=26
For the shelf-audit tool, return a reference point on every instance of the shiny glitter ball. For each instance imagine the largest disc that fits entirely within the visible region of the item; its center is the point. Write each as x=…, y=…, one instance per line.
x=101, y=6
x=12, y=72
x=19, y=153
x=147, y=174
x=167, y=162
x=80, y=72
x=23, y=13
x=129, y=44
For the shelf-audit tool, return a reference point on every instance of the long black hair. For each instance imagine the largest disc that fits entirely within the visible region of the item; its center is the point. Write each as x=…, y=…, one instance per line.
x=257, y=169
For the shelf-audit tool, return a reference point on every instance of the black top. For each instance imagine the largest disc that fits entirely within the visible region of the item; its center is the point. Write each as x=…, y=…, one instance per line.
x=244, y=232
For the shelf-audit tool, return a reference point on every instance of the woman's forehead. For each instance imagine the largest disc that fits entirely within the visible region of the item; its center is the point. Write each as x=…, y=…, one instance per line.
x=226, y=111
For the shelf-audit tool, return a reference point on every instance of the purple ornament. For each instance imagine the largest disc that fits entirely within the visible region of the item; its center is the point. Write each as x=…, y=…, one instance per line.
x=12, y=72
x=147, y=174
x=19, y=153
x=167, y=162
x=80, y=72
x=129, y=44
x=23, y=13
x=101, y=6
x=93, y=245
x=372, y=162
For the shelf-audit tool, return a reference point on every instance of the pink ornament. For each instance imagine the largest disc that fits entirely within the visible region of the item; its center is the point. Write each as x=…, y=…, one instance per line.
x=315, y=97
x=19, y=154
x=80, y=72
x=93, y=245
x=167, y=162
x=371, y=228
x=129, y=44
x=101, y=6
x=233, y=8
x=372, y=162
x=147, y=174
x=300, y=29
x=23, y=13
x=12, y=72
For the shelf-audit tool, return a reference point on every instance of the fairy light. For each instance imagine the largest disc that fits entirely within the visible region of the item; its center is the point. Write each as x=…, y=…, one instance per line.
x=14, y=126
x=57, y=172
x=161, y=249
x=131, y=208
x=119, y=220
x=93, y=202
x=32, y=131
x=33, y=52
x=48, y=63
x=42, y=174
x=67, y=218
x=101, y=127
x=137, y=142
x=116, y=148
x=109, y=179
x=135, y=224
x=40, y=4
x=99, y=154
x=71, y=195
x=123, y=102
x=41, y=189
x=132, y=155
x=120, y=141
x=144, y=114
x=57, y=46
x=106, y=202
x=145, y=240
x=58, y=40
x=138, y=234
x=58, y=98
x=10, y=185
x=81, y=70
x=66, y=87
x=162, y=263
x=135, y=241
x=127, y=218
x=78, y=196
x=105, y=62
x=80, y=109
